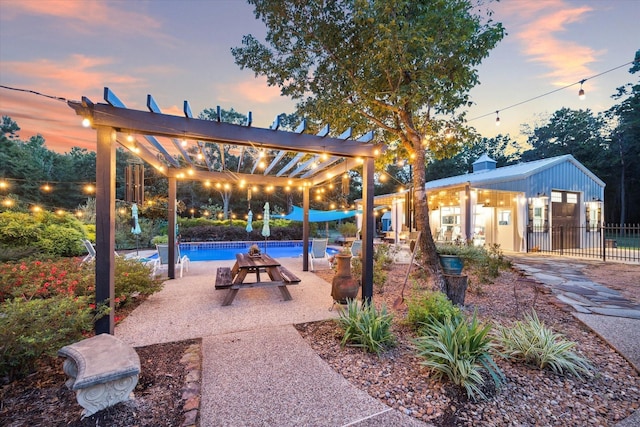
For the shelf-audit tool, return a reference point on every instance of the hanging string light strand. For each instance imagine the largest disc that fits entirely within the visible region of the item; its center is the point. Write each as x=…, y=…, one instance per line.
x=579, y=82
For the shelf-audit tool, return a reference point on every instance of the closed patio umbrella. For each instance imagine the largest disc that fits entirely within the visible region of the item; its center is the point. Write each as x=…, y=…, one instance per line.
x=249, y=219
x=266, y=231
x=135, y=226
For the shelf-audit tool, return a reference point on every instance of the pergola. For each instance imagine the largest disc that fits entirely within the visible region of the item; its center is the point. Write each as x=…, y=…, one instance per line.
x=157, y=139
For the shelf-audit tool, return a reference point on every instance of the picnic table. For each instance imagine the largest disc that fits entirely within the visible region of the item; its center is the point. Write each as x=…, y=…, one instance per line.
x=234, y=278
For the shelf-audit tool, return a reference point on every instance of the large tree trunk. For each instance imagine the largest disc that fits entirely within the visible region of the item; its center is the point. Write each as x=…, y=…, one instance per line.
x=427, y=245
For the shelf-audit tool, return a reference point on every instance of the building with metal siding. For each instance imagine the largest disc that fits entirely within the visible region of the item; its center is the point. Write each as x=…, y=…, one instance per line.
x=509, y=205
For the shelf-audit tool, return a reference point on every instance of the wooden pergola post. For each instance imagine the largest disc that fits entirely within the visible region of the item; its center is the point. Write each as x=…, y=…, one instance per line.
x=368, y=230
x=305, y=228
x=171, y=226
x=105, y=226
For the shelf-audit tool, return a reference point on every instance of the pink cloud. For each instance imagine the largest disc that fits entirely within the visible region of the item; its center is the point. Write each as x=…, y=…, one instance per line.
x=254, y=90
x=71, y=77
x=543, y=23
x=54, y=120
x=84, y=16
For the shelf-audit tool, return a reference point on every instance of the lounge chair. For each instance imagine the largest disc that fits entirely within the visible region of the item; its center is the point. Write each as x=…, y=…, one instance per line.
x=163, y=259
x=319, y=252
x=91, y=255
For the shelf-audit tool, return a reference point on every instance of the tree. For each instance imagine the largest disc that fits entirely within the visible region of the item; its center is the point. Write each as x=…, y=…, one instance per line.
x=405, y=66
x=575, y=132
x=624, y=118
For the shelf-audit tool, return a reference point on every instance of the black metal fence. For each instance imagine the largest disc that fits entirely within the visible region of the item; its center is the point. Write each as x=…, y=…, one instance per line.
x=606, y=241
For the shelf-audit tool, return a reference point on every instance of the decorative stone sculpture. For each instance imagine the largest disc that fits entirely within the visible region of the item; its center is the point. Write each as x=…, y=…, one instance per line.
x=102, y=371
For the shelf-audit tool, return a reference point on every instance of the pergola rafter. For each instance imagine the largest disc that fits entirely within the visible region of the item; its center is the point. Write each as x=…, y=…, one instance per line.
x=116, y=124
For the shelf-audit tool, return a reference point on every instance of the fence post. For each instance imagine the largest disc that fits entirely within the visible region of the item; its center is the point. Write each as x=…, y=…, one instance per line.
x=562, y=240
x=603, y=242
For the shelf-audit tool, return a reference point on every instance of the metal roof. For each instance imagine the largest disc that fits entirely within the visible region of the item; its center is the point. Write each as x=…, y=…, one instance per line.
x=510, y=173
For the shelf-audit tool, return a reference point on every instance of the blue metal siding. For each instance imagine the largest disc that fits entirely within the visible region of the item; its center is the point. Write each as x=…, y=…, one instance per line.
x=564, y=176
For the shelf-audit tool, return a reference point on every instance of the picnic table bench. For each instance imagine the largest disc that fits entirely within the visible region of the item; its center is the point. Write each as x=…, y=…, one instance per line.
x=233, y=278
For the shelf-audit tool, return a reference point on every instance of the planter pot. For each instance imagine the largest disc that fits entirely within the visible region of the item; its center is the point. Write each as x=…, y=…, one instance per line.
x=451, y=264
x=344, y=286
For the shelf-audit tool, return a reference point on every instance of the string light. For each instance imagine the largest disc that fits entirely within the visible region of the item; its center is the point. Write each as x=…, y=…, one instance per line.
x=581, y=94
x=86, y=122
x=554, y=91
x=497, y=118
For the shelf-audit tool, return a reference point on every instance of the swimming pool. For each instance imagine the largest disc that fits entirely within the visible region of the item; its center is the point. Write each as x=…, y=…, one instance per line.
x=219, y=251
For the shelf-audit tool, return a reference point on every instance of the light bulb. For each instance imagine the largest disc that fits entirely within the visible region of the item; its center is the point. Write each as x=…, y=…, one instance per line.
x=497, y=119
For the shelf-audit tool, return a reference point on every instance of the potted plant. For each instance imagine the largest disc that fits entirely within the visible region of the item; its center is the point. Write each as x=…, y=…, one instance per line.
x=450, y=260
x=348, y=231
x=254, y=251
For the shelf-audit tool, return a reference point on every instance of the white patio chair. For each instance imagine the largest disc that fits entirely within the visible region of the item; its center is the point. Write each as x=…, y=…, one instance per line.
x=356, y=248
x=91, y=255
x=319, y=252
x=182, y=262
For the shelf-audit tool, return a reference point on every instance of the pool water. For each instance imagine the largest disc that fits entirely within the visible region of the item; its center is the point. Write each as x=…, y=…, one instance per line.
x=220, y=251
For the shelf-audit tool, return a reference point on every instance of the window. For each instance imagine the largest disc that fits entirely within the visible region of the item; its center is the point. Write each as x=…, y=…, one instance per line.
x=504, y=217
x=556, y=196
x=572, y=198
x=450, y=221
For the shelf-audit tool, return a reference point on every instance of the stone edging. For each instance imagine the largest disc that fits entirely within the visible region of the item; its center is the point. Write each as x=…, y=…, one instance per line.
x=192, y=359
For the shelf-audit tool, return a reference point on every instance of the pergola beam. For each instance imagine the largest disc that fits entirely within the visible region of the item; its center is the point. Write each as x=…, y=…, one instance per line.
x=146, y=123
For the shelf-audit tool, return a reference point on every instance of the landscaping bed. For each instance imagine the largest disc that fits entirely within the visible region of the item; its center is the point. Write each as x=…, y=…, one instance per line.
x=529, y=396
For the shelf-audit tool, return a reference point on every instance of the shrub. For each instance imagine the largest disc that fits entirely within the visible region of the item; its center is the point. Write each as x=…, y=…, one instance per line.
x=459, y=350
x=429, y=307
x=30, y=329
x=379, y=274
x=19, y=229
x=366, y=327
x=133, y=277
x=158, y=240
x=348, y=229
x=57, y=240
x=533, y=343
x=12, y=253
x=30, y=279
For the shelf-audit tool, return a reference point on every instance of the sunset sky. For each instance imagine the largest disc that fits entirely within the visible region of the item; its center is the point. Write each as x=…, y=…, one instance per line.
x=180, y=50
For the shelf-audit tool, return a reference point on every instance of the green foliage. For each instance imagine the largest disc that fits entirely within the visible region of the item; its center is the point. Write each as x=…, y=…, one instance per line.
x=19, y=229
x=366, y=327
x=382, y=261
x=428, y=307
x=348, y=229
x=32, y=328
x=533, y=343
x=158, y=240
x=459, y=350
x=133, y=277
x=47, y=304
x=55, y=235
x=61, y=241
x=11, y=253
